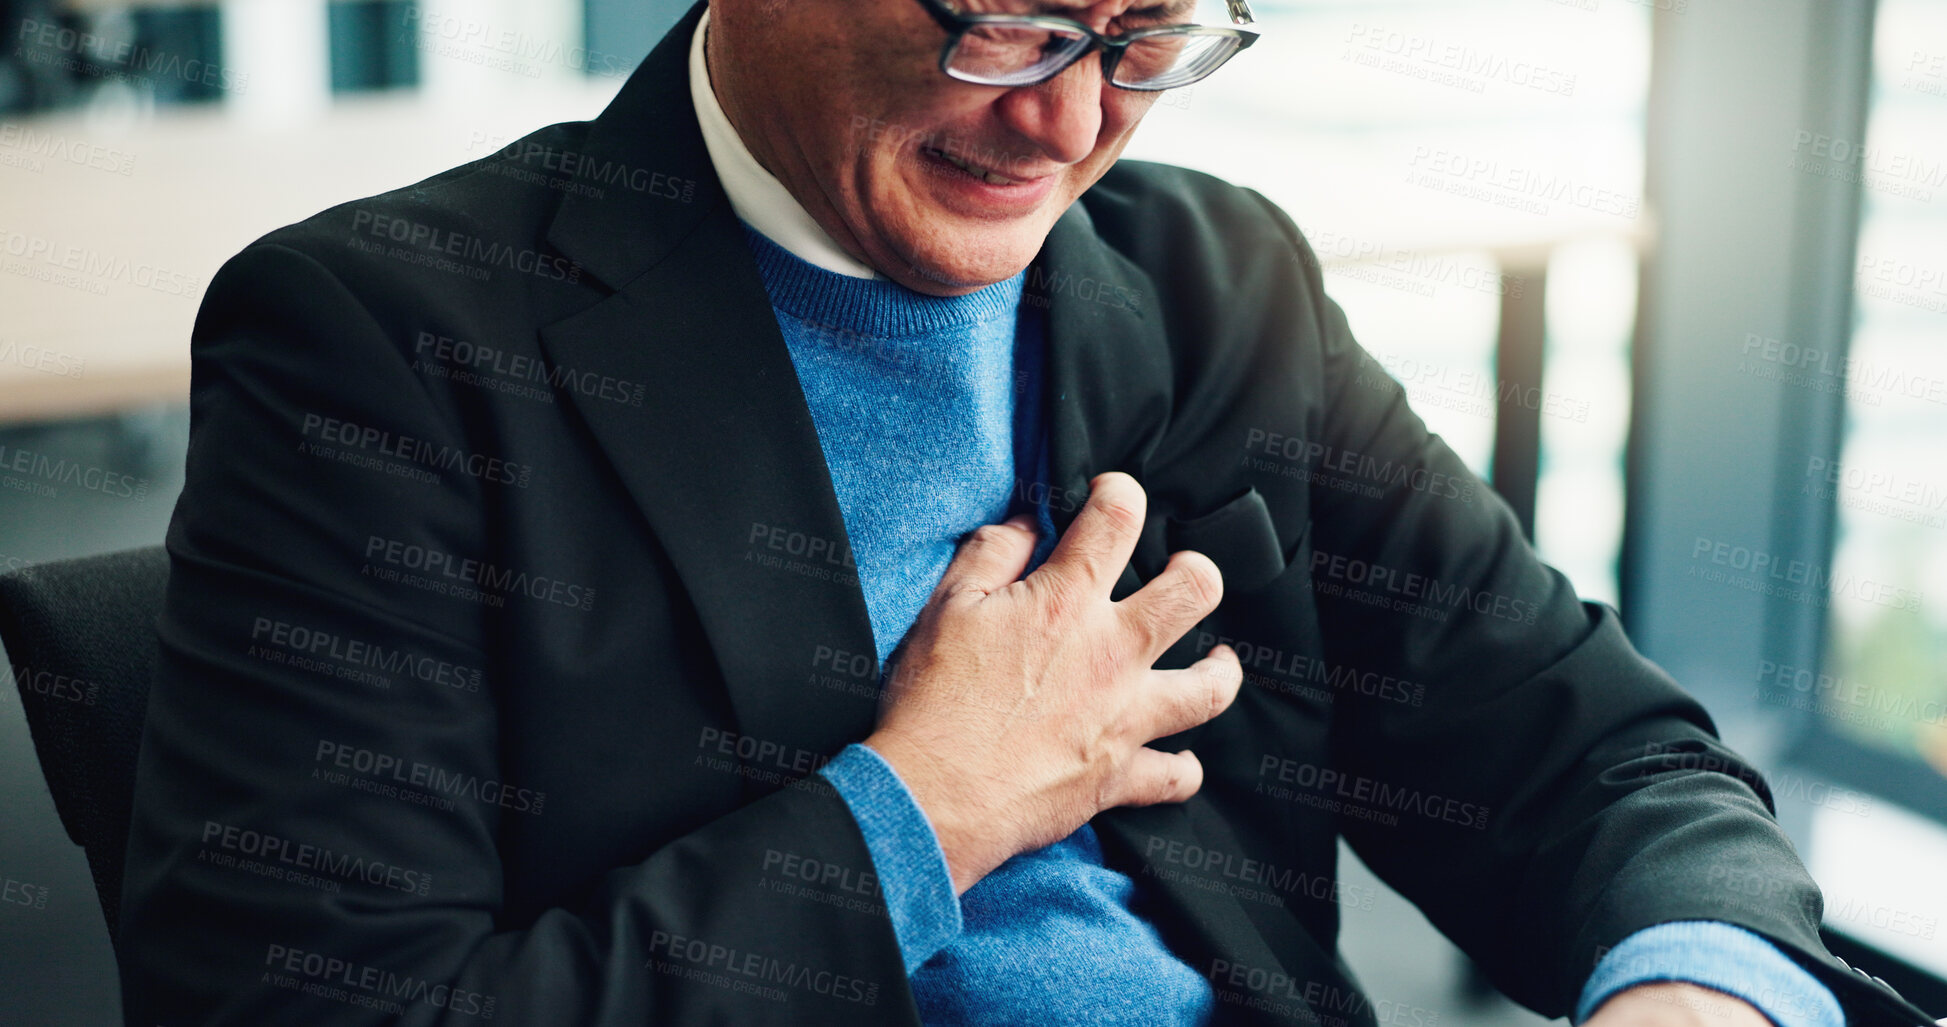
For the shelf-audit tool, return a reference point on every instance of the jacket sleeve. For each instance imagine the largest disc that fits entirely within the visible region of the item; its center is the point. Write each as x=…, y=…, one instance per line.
x=1602, y=801
x=303, y=649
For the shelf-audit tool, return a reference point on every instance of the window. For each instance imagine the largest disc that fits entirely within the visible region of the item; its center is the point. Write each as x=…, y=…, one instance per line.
x=1445, y=160
x=1882, y=693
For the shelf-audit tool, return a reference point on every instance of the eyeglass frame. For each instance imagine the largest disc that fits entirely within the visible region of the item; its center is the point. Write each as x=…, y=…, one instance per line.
x=957, y=25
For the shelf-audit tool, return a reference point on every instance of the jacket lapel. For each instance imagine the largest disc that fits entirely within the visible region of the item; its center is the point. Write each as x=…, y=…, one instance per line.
x=725, y=463
x=723, y=458
x=1108, y=379
x=647, y=138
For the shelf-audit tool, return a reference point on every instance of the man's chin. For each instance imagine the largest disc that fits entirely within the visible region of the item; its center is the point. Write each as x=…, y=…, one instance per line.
x=967, y=263
x=955, y=279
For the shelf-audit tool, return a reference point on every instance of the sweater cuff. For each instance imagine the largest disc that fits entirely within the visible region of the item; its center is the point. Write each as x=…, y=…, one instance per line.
x=913, y=877
x=1715, y=955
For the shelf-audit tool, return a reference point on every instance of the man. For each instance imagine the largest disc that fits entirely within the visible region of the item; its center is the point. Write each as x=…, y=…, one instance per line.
x=570, y=621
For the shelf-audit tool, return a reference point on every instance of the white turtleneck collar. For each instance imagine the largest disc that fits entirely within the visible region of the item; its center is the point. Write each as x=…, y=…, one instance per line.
x=755, y=194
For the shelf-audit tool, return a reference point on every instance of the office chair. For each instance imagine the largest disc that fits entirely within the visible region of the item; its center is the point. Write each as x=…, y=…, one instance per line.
x=81, y=637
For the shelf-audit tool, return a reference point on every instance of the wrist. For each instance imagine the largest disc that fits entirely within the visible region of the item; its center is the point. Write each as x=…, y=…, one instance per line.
x=929, y=786
x=1678, y=1002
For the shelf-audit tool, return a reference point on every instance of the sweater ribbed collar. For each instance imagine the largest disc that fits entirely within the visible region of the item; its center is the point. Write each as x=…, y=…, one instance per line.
x=875, y=308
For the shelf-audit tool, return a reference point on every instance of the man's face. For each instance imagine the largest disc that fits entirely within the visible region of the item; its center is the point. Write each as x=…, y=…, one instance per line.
x=941, y=185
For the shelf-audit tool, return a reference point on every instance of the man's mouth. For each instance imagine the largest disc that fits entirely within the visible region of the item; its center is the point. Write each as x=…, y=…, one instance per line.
x=988, y=175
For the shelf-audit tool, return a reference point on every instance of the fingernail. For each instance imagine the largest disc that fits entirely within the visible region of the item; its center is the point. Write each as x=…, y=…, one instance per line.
x=1020, y=521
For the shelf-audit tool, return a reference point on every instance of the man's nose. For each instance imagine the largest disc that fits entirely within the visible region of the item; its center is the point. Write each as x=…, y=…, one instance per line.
x=1063, y=116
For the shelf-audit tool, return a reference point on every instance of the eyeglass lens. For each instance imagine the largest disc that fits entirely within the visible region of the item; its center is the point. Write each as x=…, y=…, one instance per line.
x=1021, y=53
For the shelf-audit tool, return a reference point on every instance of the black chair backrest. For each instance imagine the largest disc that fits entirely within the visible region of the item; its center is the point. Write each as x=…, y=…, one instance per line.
x=81, y=637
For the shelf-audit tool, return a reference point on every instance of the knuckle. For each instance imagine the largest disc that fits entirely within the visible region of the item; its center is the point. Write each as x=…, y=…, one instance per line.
x=1120, y=498
x=955, y=596
x=1226, y=673
x=1062, y=598
x=1182, y=606
x=1142, y=624
x=1202, y=581
x=1218, y=689
x=1210, y=699
x=1123, y=516
x=987, y=536
x=1173, y=602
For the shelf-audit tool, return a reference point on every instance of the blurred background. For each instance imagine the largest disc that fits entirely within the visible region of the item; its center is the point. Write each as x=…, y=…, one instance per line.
x=1672, y=274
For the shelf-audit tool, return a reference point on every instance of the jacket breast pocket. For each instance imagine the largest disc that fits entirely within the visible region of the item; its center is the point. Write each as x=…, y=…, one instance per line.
x=1239, y=537
x=1269, y=618
x=1268, y=614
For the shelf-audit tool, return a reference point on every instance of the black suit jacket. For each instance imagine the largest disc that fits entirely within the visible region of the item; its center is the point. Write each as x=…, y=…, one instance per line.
x=510, y=613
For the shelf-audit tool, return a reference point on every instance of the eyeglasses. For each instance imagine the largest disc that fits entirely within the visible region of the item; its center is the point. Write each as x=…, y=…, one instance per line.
x=1029, y=49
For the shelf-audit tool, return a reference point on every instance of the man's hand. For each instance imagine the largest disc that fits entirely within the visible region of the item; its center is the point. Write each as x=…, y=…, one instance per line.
x=1675, y=1004
x=1021, y=708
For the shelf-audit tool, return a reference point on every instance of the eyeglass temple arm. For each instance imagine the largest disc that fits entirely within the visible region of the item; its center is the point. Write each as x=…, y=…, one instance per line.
x=1240, y=12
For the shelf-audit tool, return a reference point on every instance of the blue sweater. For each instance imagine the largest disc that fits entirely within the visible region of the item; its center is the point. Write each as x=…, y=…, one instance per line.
x=928, y=413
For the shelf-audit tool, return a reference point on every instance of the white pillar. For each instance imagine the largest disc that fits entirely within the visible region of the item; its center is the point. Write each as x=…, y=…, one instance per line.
x=279, y=54
x=469, y=49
